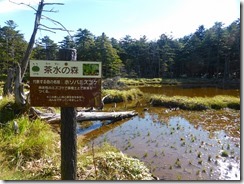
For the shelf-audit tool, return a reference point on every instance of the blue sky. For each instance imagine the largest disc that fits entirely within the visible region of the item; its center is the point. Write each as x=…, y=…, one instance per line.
x=117, y=18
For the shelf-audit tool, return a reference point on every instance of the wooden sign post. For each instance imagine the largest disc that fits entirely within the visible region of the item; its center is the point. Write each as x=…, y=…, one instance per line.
x=66, y=84
x=68, y=143
x=68, y=130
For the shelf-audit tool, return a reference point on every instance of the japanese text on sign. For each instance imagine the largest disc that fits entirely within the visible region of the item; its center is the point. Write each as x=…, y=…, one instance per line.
x=79, y=69
x=65, y=83
x=75, y=92
x=44, y=86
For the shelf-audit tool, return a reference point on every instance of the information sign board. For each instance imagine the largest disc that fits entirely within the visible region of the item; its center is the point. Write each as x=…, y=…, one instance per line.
x=65, y=83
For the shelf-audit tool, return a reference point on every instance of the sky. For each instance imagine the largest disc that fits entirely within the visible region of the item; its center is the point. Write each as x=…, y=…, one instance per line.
x=118, y=18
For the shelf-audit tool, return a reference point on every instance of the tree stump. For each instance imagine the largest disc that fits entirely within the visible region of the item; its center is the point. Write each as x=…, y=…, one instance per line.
x=68, y=54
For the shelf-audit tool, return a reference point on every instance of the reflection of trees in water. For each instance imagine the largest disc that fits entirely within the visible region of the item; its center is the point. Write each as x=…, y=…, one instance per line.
x=210, y=120
x=106, y=126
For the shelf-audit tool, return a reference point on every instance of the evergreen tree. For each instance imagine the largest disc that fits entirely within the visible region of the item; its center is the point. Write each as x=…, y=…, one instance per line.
x=67, y=43
x=111, y=63
x=46, y=49
x=85, y=44
x=212, y=53
x=167, y=55
x=12, y=46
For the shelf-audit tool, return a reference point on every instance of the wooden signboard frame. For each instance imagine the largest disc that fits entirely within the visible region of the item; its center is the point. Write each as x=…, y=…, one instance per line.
x=65, y=84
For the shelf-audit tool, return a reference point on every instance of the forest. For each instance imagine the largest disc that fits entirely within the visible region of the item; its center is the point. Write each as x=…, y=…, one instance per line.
x=206, y=53
x=182, y=136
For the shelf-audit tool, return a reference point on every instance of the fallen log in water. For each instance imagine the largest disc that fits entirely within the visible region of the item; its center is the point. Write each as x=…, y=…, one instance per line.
x=92, y=116
x=52, y=117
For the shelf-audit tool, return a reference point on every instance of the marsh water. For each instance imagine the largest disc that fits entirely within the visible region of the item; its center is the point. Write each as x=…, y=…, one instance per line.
x=177, y=144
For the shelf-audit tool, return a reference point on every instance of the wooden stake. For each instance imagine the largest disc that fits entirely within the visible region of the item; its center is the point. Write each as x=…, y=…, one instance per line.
x=68, y=143
x=68, y=131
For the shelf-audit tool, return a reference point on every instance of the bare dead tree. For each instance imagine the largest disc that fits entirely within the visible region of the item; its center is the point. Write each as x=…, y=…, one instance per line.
x=20, y=99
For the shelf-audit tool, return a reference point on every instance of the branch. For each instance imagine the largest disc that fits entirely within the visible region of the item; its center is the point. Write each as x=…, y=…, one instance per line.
x=43, y=5
x=51, y=28
x=55, y=23
x=52, y=10
x=53, y=4
x=23, y=4
x=47, y=30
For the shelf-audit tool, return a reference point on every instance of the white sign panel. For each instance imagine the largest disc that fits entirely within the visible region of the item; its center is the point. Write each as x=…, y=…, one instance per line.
x=65, y=69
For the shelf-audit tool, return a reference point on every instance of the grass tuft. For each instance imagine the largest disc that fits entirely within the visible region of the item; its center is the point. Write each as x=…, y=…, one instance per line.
x=196, y=103
x=8, y=109
x=35, y=140
x=122, y=96
x=117, y=166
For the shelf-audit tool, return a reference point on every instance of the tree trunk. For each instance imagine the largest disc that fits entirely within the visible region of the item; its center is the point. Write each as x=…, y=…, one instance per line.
x=14, y=80
x=20, y=98
x=226, y=68
x=68, y=54
x=29, y=49
x=8, y=86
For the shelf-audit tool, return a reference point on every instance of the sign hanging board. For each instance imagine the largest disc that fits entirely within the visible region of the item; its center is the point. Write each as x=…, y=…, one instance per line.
x=65, y=83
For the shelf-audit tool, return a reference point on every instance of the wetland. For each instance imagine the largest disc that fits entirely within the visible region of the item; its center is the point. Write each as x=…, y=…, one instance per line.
x=175, y=144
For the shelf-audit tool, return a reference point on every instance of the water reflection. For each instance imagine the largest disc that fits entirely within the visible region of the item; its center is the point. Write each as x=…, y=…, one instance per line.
x=190, y=92
x=177, y=145
x=175, y=149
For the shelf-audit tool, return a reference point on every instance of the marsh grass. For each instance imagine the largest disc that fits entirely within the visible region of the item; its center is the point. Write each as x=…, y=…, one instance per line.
x=196, y=103
x=1, y=87
x=35, y=142
x=8, y=109
x=122, y=96
x=141, y=81
x=224, y=153
x=134, y=96
x=177, y=163
x=34, y=154
x=111, y=164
